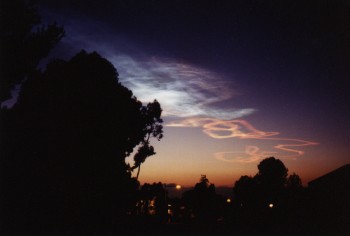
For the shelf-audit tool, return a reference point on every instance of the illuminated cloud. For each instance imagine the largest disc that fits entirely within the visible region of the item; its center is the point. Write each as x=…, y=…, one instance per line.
x=224, y=129
x=183, y=89
x=191, y=96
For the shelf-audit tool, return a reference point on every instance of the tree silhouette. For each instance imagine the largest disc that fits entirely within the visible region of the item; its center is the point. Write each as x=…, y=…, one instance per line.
x=67, y=138
x=203, y=201
x=293, y=182
x=272, y=175
x=245, y=191
x=269, y=201
x=203, y=183
x=23, y=43
x=153, y=201
x=153, y=128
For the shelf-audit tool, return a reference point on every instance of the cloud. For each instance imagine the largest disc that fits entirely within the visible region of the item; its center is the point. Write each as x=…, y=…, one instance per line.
x=183, y=89
x=251, y=154
x=190, y=96
x=225, y=129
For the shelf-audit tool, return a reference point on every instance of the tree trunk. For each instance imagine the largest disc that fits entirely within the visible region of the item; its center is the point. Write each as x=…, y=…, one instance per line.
x=138, y=172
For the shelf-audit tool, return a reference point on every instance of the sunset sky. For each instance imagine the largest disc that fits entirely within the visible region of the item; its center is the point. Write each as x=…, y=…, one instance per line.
x=238, y=80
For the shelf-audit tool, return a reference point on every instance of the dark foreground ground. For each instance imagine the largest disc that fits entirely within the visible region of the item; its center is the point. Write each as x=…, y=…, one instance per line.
x=152, y=228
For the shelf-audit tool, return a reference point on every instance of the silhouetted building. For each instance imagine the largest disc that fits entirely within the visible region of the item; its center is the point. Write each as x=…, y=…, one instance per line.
x=335, y=180
x=330, y=200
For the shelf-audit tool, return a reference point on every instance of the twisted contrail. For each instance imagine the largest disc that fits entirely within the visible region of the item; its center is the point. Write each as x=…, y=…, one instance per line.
x=242, y=129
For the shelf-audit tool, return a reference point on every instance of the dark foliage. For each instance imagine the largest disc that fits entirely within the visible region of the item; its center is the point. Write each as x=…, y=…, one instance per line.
x=24, y=42
x=267, y=186
x=272, y=174
x=273, y=202
x=293, y=182
x=202, y=202
x=152, y=203
x=153, y=128
x=245, y=191
x=63, y=159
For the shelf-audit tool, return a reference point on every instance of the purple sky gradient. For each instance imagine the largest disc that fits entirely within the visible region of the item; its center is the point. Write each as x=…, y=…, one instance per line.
x=237, y=82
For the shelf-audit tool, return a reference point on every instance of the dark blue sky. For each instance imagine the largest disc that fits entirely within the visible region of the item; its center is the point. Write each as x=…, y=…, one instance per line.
x=291, y=45
x=287, y=60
